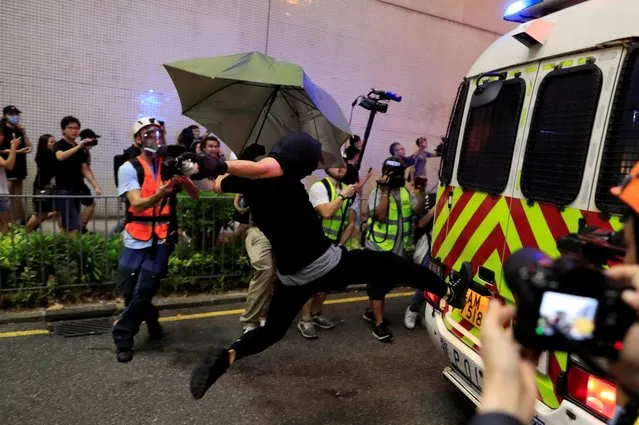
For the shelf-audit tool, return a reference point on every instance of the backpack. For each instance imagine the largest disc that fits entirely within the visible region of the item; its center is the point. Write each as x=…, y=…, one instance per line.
x=119, y=160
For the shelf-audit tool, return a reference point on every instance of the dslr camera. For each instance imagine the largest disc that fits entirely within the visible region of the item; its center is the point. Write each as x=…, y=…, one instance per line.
x=567, y=304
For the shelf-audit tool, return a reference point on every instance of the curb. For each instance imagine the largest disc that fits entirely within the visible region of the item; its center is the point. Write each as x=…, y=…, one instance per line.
x=112, y=309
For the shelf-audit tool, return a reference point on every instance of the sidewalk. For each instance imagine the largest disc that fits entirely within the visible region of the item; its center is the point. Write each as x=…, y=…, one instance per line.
x=113, y=308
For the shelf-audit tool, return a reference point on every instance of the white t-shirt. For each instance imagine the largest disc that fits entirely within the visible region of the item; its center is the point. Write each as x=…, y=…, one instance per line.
x=318, y=194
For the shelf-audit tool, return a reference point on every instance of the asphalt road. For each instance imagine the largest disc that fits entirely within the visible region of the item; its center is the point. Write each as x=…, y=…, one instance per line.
x=345, y=377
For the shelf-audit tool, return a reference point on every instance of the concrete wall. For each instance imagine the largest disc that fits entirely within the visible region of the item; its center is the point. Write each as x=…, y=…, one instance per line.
x=101, y=61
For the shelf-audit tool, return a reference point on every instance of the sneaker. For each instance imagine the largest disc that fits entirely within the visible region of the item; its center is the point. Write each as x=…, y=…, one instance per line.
x=459, y=284
x=368, y=316
x=307, y=329
x=124, y=355
x=322, y=321
x=262, y=323
x=410, y=318
x=382, y=333
x=213, y=365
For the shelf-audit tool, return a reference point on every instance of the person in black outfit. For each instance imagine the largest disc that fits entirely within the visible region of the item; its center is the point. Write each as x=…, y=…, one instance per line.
x=307, y=262
x=46, y=161
x=72, y=165
x=16, y=176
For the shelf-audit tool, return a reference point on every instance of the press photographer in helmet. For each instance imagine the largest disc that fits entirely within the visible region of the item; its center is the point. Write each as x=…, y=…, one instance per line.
x=391, y=207
x=150, y=227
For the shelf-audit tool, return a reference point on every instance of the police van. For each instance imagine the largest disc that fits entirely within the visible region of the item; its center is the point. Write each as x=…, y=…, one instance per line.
x=545, y=122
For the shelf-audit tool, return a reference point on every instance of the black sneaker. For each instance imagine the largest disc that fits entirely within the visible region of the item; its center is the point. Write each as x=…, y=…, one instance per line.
x=382, y=333
x=124, y=355
x=459, y=284
x=368, y=316
x=213, y=365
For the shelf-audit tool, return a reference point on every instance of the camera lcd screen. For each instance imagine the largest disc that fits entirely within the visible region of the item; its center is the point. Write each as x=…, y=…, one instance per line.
x=567, y=314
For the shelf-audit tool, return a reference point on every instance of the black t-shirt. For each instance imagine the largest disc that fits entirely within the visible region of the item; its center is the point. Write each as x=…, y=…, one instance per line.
x=47, y=164
x=68, y=174
x=19, y=170
x=281, y=209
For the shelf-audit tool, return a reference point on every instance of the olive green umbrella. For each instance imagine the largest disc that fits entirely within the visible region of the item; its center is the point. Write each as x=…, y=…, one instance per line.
x=249, y=98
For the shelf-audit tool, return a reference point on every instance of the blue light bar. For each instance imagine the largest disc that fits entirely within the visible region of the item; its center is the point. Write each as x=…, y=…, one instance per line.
x=519, y=6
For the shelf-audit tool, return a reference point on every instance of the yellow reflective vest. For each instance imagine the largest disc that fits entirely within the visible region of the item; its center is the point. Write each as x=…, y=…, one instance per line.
x=383, y=235
x=332, y=225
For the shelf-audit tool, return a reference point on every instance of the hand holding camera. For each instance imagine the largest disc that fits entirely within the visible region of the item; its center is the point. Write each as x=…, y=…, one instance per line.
x=348, y=191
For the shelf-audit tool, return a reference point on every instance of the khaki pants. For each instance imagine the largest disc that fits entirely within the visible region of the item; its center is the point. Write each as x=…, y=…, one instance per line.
x=260, y=288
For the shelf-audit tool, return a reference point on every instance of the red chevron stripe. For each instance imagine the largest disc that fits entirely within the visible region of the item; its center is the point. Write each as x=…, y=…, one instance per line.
x=522, y=225
x=441, y=202
x=554, y=220
x=594, y=220
x=480, y=214
x=554, y=369
x=454, y=215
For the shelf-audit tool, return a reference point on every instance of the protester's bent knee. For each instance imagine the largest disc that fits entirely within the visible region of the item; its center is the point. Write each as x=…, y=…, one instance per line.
x=147, y=284
x=127, y=278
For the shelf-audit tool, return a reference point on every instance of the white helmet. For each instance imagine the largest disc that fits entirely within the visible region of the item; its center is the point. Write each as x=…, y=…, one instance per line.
x=144, y=122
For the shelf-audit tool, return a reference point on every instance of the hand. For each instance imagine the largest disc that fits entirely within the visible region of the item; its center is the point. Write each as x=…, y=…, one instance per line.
x=28, y=149
x=349, y=191
x=98, y=191
x=23, y=150
x=15, y=142
x=383, y=180
x=83, y=142
x=626, y=369
x=165, y=190
x=510, y=386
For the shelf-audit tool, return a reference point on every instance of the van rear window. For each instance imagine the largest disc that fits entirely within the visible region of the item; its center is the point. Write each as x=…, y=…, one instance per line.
x=621, y=149
x=489, y=140
x=560, y=133
x=452, y=135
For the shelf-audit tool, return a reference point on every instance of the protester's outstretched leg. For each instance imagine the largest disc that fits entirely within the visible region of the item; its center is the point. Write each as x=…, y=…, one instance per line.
x=382, y=271
x=286, y=303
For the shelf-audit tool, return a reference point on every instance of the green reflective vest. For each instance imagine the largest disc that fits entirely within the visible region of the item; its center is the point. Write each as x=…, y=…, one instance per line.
x=383, y=234
x=331, y=225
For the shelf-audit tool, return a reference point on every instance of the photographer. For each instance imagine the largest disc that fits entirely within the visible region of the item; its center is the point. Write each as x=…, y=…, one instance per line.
x=148, y=235
x=302, y=271
x=392, y=207
x=89, y=203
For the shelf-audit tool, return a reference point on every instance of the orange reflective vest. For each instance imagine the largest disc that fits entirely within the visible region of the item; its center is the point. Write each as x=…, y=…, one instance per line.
x=154, y=220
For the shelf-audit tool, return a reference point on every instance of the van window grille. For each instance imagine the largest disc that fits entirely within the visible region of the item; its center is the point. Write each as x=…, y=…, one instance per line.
x=560, y=133
x=489, y=140
x=452, y=135
x=621, y=149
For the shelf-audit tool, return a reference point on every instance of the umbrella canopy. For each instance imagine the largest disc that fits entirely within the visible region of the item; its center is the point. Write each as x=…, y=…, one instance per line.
x=249, y=98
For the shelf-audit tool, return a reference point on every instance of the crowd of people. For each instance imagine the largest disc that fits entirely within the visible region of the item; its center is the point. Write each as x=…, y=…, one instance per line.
x=60, y=189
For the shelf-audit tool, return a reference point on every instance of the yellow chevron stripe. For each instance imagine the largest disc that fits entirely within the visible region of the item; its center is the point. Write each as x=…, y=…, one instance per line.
x=615, y=222
x=456, y=228
x=571, y=217
x=441, y=215
x=547, y=391
x=562, y=359
x=540, y=229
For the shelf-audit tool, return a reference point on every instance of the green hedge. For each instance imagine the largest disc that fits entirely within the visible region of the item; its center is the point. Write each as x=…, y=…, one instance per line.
x=40, y=267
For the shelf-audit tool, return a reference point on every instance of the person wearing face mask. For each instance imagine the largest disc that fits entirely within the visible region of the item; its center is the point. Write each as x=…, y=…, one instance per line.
x=303, y=269
x=333, y=202
x=16, y=176
x=391, y=207
x=147, y=229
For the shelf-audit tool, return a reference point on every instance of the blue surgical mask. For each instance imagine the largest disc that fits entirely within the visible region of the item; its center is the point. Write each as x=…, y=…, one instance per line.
x=14, y=119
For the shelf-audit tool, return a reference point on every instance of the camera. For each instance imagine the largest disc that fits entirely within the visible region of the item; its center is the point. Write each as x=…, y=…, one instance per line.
x=393, y=171
x=567, y=304
x=92, y=142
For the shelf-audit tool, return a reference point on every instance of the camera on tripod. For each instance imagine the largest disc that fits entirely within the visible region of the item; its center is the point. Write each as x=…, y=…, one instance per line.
x=377, y=100
x=567, y=304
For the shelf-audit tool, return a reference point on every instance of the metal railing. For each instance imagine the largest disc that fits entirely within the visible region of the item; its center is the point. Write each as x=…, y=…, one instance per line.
x=51, y=260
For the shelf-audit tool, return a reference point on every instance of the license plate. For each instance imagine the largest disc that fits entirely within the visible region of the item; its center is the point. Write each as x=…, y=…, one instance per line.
x=466, y=367
x=475, y=308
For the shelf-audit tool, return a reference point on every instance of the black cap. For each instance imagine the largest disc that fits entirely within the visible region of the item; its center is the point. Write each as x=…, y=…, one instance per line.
x=87, y=133
x=10, y=110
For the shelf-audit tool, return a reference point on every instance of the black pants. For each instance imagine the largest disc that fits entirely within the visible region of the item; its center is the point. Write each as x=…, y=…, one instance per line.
x=139, y=277
x=382, y=271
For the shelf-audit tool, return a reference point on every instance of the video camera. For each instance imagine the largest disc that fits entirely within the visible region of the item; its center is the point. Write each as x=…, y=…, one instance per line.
x=567, y=304
x=393, y=171
x=174, y=163
x=377, y=100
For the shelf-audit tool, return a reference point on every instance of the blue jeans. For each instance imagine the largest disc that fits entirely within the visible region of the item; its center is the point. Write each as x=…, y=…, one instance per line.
x=139, y=277
x=69, y=210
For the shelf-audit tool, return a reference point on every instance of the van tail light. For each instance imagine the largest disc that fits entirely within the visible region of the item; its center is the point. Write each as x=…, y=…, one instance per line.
x=438, y=303
x=594, y=393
